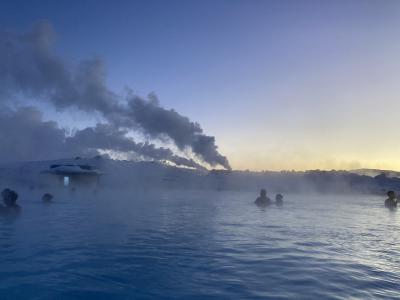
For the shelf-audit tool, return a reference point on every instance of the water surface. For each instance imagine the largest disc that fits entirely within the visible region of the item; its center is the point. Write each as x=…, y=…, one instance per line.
x=204, y=245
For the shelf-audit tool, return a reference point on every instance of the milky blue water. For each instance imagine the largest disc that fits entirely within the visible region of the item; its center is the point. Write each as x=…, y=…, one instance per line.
x=208, y=245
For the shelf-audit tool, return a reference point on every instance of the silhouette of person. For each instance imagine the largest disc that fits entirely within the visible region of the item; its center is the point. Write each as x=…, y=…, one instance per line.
x=279, y=199
x=263, y=200
x=10, y=200
x=47, y=198
x=391, y=201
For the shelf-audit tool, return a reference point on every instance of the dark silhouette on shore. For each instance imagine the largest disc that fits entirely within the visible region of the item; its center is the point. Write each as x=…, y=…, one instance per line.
x=263, y=200
x=391, y=201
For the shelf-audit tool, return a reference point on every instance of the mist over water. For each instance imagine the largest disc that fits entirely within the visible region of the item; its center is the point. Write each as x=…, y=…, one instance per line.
x=139, y=135
x=198, y=245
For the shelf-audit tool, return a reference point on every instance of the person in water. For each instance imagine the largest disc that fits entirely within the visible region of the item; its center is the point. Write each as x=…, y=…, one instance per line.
x=391, y=201
x=279, y=199
x=10, y=200
x=263, y=200
x=47, y=198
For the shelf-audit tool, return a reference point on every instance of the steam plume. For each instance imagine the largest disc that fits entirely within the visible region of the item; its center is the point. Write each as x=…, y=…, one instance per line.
x=25, y=136
x=29, y=66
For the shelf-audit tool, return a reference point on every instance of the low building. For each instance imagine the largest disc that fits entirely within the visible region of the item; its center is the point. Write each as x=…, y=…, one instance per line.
x=73, y=175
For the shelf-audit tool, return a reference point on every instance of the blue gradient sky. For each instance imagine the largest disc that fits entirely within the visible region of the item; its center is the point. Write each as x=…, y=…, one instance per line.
x=281, y=84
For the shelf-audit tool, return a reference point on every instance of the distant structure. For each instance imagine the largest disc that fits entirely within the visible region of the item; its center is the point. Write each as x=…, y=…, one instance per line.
x=74, y=175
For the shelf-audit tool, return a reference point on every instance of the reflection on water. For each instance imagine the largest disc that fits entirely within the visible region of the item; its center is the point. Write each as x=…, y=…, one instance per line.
x=204, y=246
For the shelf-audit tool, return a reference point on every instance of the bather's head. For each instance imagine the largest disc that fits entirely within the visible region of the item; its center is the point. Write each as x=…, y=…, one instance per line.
x=47, y=197
x=9, y=197
x=391, y=194
x=263, y=193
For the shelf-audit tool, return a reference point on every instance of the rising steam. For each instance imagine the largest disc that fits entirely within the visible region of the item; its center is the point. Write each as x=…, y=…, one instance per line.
x=29, y=66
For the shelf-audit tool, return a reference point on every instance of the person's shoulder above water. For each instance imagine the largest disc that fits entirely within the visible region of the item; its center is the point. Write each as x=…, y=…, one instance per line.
x=10, y=210
x=13, y=209
x=390, y=203
x=260, y=200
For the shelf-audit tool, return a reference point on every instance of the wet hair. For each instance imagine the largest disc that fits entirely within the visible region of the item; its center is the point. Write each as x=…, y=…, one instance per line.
x=390, y=193
x=263, y=192
x=9, y=197
x=278, y=197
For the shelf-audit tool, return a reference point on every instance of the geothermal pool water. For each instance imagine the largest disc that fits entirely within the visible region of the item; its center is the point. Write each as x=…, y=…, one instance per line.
x=207, y=245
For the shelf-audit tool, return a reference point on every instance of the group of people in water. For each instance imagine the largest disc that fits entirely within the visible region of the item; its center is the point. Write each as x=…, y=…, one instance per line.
x=10, y=198
x=263, y=200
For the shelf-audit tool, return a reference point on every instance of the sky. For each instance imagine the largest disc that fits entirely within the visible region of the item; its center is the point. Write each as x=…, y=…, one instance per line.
x=279, y=84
